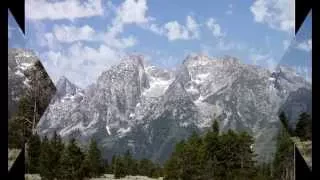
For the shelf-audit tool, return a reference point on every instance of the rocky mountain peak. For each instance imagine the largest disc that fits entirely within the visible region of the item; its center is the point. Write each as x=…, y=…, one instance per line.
x=197, y=59
x=65, y=87
x=131, y=100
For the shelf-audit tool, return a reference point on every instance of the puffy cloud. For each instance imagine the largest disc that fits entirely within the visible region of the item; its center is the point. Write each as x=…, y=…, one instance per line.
x=70, y=33
x=78, y=57
x=215, y=28
x=173, y=30
x=265, y=59
x=229, y=11
x=305, y=46
x=67, y=9
x=277, y=14
x=176, y=31
x=133, y=11
x=286, y=44
x=193, y=27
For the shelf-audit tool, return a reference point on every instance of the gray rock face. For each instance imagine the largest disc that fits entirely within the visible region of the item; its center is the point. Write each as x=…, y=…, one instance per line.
x=19, y=64
x=147, y=110
x=24, y=72
x=297, y=102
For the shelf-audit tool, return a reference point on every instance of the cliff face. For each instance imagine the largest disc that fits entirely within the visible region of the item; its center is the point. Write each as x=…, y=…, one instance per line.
x=147, y=110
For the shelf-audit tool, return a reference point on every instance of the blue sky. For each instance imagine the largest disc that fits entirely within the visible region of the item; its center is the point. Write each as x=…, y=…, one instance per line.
x=80, y=39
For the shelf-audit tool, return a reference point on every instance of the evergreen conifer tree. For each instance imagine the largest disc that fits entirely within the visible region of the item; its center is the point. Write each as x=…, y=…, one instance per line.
x=34, y=150
x=71, y=160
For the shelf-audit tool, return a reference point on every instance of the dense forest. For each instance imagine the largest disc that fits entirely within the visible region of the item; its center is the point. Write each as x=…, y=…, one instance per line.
x=51, y=158
x=215, y=155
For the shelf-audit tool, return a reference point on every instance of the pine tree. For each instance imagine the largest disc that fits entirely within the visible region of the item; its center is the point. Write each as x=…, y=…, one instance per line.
x=34, y=151
x=45, y=160
x=192, y=157
x=283, y=161
x=57, y=147
x=16, y=132
x=304, y=126
x=119, y=168
x=128, y=162
x=94, y=160
x=71, y=160
x=246, y=156
x=215, y=127
x=173, y=168
x=135, y=167
x=106, y=167
x=113, y=163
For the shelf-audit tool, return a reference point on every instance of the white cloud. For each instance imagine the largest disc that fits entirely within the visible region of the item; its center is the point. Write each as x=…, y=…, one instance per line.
x=129, y=12
x=304, y=71
x=224, y=45
x=277, y=14
x=173, y=30
x=67, y=9
x=78, y=57
x=156, y=29
x=305, y=46
x=120, y=43
x=133, y=11
x=230, y=8
x=264, y=59
x=286, y=44
x=193, y=27
x=68, y=34
x=215, y=28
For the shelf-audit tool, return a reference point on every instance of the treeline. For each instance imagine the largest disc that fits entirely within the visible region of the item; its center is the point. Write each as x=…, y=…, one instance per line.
x=303, y=128
x=124, y=165
x=216, y=156
x=230, y=155
x=283, y=164
x=53, y=159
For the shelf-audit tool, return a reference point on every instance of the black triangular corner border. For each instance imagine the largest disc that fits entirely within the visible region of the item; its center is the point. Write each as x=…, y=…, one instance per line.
x=17, y=9
x=302, y=9
x=302, y=170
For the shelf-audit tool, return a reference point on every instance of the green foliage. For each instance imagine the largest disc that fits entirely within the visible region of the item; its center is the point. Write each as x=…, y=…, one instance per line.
x=45, y=163
x=304, y=127
x=57, y=147
x=15, y=132
x=213, y=156
x=92, y=165
x=283, y=160
x=119, y=168
x=71, y=160
x=215, y=127
x=34, y=149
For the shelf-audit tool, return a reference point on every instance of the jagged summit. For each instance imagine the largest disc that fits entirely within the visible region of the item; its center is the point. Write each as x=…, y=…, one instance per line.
x=136, y=59
x=194, y=59
x=65, y=87
x=147, y=109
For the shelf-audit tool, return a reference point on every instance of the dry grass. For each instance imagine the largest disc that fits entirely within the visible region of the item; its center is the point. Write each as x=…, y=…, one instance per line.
x=110, y=177
x=32, y=177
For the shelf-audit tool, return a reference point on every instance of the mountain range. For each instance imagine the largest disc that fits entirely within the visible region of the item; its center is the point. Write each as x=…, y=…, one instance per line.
x=146, y=109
